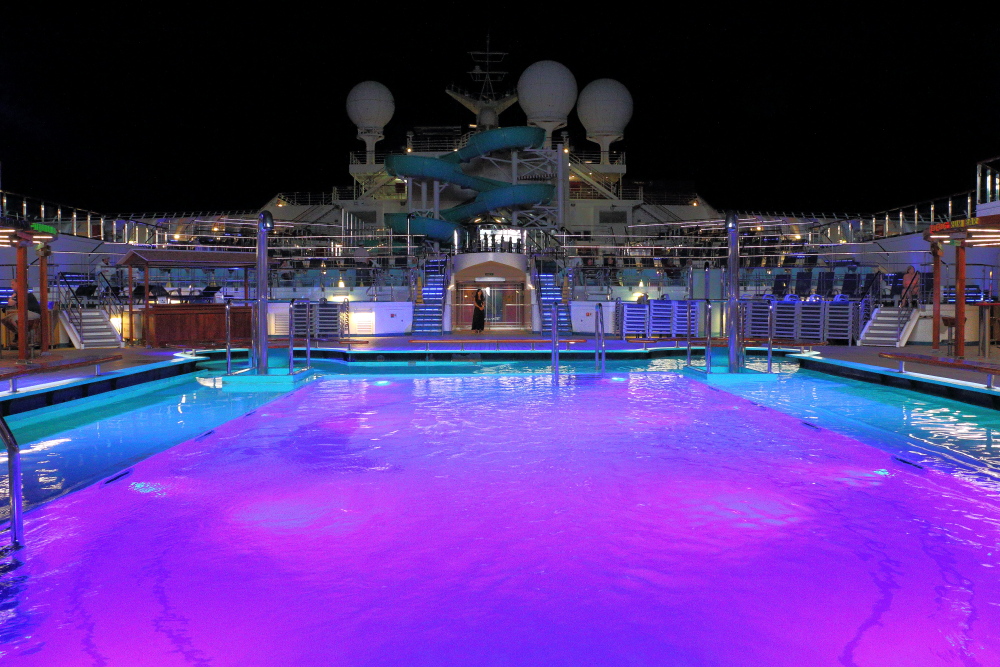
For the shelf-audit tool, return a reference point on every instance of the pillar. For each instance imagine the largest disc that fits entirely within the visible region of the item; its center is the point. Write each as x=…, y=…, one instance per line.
x=21, y=287
x=936, y=322
x=960, y=300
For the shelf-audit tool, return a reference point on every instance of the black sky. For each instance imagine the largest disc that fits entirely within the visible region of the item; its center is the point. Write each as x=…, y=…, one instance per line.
x=820, y=109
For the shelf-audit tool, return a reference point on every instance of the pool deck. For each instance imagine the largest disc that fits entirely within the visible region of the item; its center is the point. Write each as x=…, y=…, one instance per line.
x=136, y=356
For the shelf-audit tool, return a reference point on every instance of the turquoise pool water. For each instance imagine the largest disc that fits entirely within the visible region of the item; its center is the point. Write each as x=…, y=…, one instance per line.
x=66, y=447
x=71, y=446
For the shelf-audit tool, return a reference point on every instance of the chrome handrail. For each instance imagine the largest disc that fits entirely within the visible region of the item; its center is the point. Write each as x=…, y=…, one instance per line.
x=600, y=345
x=291, y=336
x=75, y=305
x=309, y=327
x=555, y=342
x=252, y=350
x=708, y=336
x=687, y=307
x=108, y=297
x=229, y=345
x=14, y=485
x=770, y=333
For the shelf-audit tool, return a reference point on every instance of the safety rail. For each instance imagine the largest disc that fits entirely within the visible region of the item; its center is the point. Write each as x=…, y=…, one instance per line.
x=109, y=297
x=600, y=345
x=73, y=306
x=49, y=366
x=252, y=356
x=555, y=340
x=14, y=485
x=770, y=335
x=708, y=335
x=990, y=370
x=462, y=342
x=291, y=333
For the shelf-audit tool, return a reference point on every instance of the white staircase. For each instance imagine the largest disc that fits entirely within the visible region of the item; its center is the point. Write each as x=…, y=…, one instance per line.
x=90, y=328
x=890, y=327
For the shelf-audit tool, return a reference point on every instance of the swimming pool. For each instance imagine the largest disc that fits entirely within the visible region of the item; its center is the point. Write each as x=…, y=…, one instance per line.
x=68, y=446
x=635, y=518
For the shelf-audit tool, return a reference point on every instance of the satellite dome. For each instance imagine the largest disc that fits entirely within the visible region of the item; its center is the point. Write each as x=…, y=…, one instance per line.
x=604, y=108
x=547, y=93
x=370, y=104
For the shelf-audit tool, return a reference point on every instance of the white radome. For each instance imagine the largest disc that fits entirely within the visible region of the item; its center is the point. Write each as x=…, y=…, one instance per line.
x=604, y=108
x=370, y=105
x=547, y=92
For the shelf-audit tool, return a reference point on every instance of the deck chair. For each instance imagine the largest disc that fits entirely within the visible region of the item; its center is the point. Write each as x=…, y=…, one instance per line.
x=850, y=285
x=824, y=284
x=780, y=285
x=803, y=283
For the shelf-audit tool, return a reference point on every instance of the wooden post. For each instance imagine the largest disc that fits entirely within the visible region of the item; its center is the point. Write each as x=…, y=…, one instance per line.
x=131, y=300
x=21, y=288
x=936, y=323
x=246, y=284
x=960, y=300
x=43, y=294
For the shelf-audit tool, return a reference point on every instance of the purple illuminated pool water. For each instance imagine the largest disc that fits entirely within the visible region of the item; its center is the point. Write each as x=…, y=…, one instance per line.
x=498, y=520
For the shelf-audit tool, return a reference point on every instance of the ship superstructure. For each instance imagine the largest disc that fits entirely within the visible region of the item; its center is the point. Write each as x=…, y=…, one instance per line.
x=530, y=214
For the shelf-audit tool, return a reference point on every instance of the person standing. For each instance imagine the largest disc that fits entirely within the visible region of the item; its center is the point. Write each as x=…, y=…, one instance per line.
x=479, y=312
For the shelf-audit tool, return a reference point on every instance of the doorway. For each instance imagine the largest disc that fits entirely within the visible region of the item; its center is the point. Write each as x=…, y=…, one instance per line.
x=504, y=305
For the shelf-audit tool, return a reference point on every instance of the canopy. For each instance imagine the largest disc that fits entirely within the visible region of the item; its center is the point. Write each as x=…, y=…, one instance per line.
x=192, y=259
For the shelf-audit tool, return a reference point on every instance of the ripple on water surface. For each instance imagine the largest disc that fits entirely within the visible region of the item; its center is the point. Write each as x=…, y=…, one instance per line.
x=504, y=520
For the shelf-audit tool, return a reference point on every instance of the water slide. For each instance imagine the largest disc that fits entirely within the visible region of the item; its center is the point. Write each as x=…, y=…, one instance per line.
x=448, y=169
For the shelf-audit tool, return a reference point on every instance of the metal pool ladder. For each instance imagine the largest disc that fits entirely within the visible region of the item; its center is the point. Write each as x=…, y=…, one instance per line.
x=600, y=346
x=555, y=342
x=14, y=485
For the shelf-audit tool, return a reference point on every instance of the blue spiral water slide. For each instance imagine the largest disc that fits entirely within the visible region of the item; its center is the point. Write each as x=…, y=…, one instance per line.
x=448, y=168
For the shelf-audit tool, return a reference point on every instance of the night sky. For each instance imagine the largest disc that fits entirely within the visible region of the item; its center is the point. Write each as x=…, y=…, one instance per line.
x=817, y=110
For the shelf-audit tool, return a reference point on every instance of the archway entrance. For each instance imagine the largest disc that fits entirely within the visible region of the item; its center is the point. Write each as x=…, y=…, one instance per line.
x=504, y=305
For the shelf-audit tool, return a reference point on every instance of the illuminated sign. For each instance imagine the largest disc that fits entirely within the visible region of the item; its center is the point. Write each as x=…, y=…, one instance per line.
x=954, y=224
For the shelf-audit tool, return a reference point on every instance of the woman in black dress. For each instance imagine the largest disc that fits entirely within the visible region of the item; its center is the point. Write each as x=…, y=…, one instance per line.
x=479, y=312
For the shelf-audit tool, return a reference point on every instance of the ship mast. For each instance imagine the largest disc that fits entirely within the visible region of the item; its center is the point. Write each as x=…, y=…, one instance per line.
x=487, y=104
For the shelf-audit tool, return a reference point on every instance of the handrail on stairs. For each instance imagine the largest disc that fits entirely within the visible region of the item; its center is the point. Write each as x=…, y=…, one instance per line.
x=75, y=305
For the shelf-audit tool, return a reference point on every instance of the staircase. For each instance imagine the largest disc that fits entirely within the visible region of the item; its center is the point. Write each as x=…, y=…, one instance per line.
x=90, y=328
x=427, y=316
x=889, y=327
x=549, y=293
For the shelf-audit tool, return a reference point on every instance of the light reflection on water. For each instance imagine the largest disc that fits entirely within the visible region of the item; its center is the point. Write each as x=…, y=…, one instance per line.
x=935, y=430
x=636, y=518
x=69, y=446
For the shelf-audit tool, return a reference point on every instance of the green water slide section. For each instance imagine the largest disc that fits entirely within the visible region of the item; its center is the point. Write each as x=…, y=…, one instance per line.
x=448, y=169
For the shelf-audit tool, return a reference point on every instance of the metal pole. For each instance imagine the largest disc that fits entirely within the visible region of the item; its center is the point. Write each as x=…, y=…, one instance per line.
x=264, y=224
x=936, y=298
x=252, y=351
x=229, y=345
x=555, y=341
x=708, y=336
x=309, y=325
x=291, y=336
x=687, y=308
x=733, y=292
x=600, y=345
x=960, y=300
x=14, y=485
x=770, y=333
